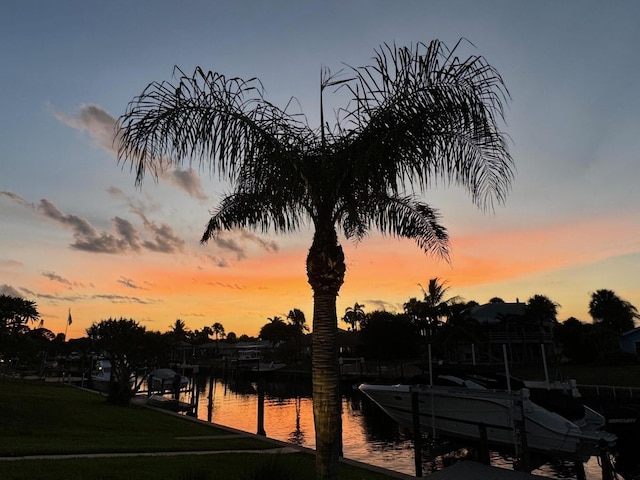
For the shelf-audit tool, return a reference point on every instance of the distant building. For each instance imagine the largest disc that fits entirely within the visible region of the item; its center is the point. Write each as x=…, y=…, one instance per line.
x=507, y=324
x=630, y=342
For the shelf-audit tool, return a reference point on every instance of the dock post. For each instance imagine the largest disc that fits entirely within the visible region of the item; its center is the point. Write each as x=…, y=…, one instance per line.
x=210, y=404
x=417, y=435
x=523, y=463
x=580, y=473
x=483, y=448
x=261, y=407
x=605, y=461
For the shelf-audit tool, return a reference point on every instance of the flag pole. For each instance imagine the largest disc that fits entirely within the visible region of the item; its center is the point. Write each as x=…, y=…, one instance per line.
x=69, y=321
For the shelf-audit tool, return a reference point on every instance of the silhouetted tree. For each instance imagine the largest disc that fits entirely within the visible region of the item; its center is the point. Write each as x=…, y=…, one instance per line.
x=418, y=114
x=609, y=310
x=122, y=341
x=297, y=319
x=277, y=331
x=541, y=308
x=15, y=315
x=389, y=336
x=354, y=316
x=459, y=328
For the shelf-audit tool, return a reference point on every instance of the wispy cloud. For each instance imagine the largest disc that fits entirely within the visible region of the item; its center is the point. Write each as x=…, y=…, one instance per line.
x=101, y=127
x=122, y=299
x=16, y=198
x=187, y=180
x=11, y=263
x=377, y=304
x=57, y=278
x=95, y=121
x=268, y=245
x=219, y=261
x=231, y=286
x=236, y=242
x=130, y=283
x=226, y=242
x=9, y=290
x=126, y=237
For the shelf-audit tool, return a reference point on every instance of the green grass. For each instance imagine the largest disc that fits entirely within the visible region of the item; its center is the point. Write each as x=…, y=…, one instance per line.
x=38, y=418
x=188, y=467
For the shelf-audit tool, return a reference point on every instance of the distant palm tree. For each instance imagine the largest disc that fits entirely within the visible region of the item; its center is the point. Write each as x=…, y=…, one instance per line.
x=608, y=309
x=179, y=330
x=541, y=308
x=417, y=115
x=354, y=316
x=218, y=330
x=298, y=320
x=435, y=303
x=206, y=332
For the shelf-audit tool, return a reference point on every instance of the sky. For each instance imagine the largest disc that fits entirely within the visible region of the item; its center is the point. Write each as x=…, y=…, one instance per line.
x=77, y=235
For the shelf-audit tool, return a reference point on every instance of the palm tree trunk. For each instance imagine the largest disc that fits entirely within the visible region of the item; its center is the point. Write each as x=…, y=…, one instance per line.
x=325, y=272
x=326, y=389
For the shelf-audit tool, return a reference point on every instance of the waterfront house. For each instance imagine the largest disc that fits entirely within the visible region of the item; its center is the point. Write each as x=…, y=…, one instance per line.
x=630, y=342
x=507, y=323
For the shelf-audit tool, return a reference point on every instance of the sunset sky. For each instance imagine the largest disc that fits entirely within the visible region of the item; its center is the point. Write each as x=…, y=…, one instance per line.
x=75, y=232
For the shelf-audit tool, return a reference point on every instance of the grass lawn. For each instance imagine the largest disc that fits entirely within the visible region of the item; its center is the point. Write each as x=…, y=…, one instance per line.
x=38, y=418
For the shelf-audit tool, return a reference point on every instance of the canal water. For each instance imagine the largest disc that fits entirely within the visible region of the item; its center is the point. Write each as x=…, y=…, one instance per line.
x=369, y=435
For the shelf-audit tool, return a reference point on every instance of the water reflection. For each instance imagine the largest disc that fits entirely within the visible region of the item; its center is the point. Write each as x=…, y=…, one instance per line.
x=369, y=435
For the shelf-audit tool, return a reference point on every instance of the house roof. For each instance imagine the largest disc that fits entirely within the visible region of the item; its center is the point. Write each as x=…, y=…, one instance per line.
x=630, y=332
x=490, y=313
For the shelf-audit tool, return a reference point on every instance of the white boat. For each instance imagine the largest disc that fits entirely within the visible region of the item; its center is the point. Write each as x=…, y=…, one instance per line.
x=458, y=407
x=246, y=359
x=101, y=375
x=267, y=367
x=165, y=380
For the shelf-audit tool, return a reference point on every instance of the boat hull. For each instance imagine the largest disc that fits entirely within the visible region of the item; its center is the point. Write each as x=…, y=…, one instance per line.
x=463, y=413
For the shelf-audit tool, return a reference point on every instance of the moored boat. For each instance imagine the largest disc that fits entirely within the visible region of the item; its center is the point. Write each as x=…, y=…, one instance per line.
x=166, y=380
x=101, y=375
x=462, y=407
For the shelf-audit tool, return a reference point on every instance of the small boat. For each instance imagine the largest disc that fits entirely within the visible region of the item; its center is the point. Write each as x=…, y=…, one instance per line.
x=267, y=367
x=166, y=380
x=246, y=359
x=100, y=376
x=462, y=407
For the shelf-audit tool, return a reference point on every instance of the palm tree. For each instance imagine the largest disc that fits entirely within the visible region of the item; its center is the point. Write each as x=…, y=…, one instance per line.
x=608, y=309
x=218, y=330
x=179, y=330
x=354, y=316
x=298, y=320
x=435, y=305
x=417, y=115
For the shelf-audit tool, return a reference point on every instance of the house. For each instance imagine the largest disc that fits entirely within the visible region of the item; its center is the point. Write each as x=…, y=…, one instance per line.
x=630, y=342
x=506, y=323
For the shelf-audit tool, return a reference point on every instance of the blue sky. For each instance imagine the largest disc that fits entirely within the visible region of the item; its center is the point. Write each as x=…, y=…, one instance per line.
x=570, y=225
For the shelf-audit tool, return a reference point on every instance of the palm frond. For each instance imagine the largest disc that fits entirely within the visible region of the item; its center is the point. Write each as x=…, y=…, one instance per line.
x=254, y=211
x=421, y=114
x=399, y=216
x=219, y=122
